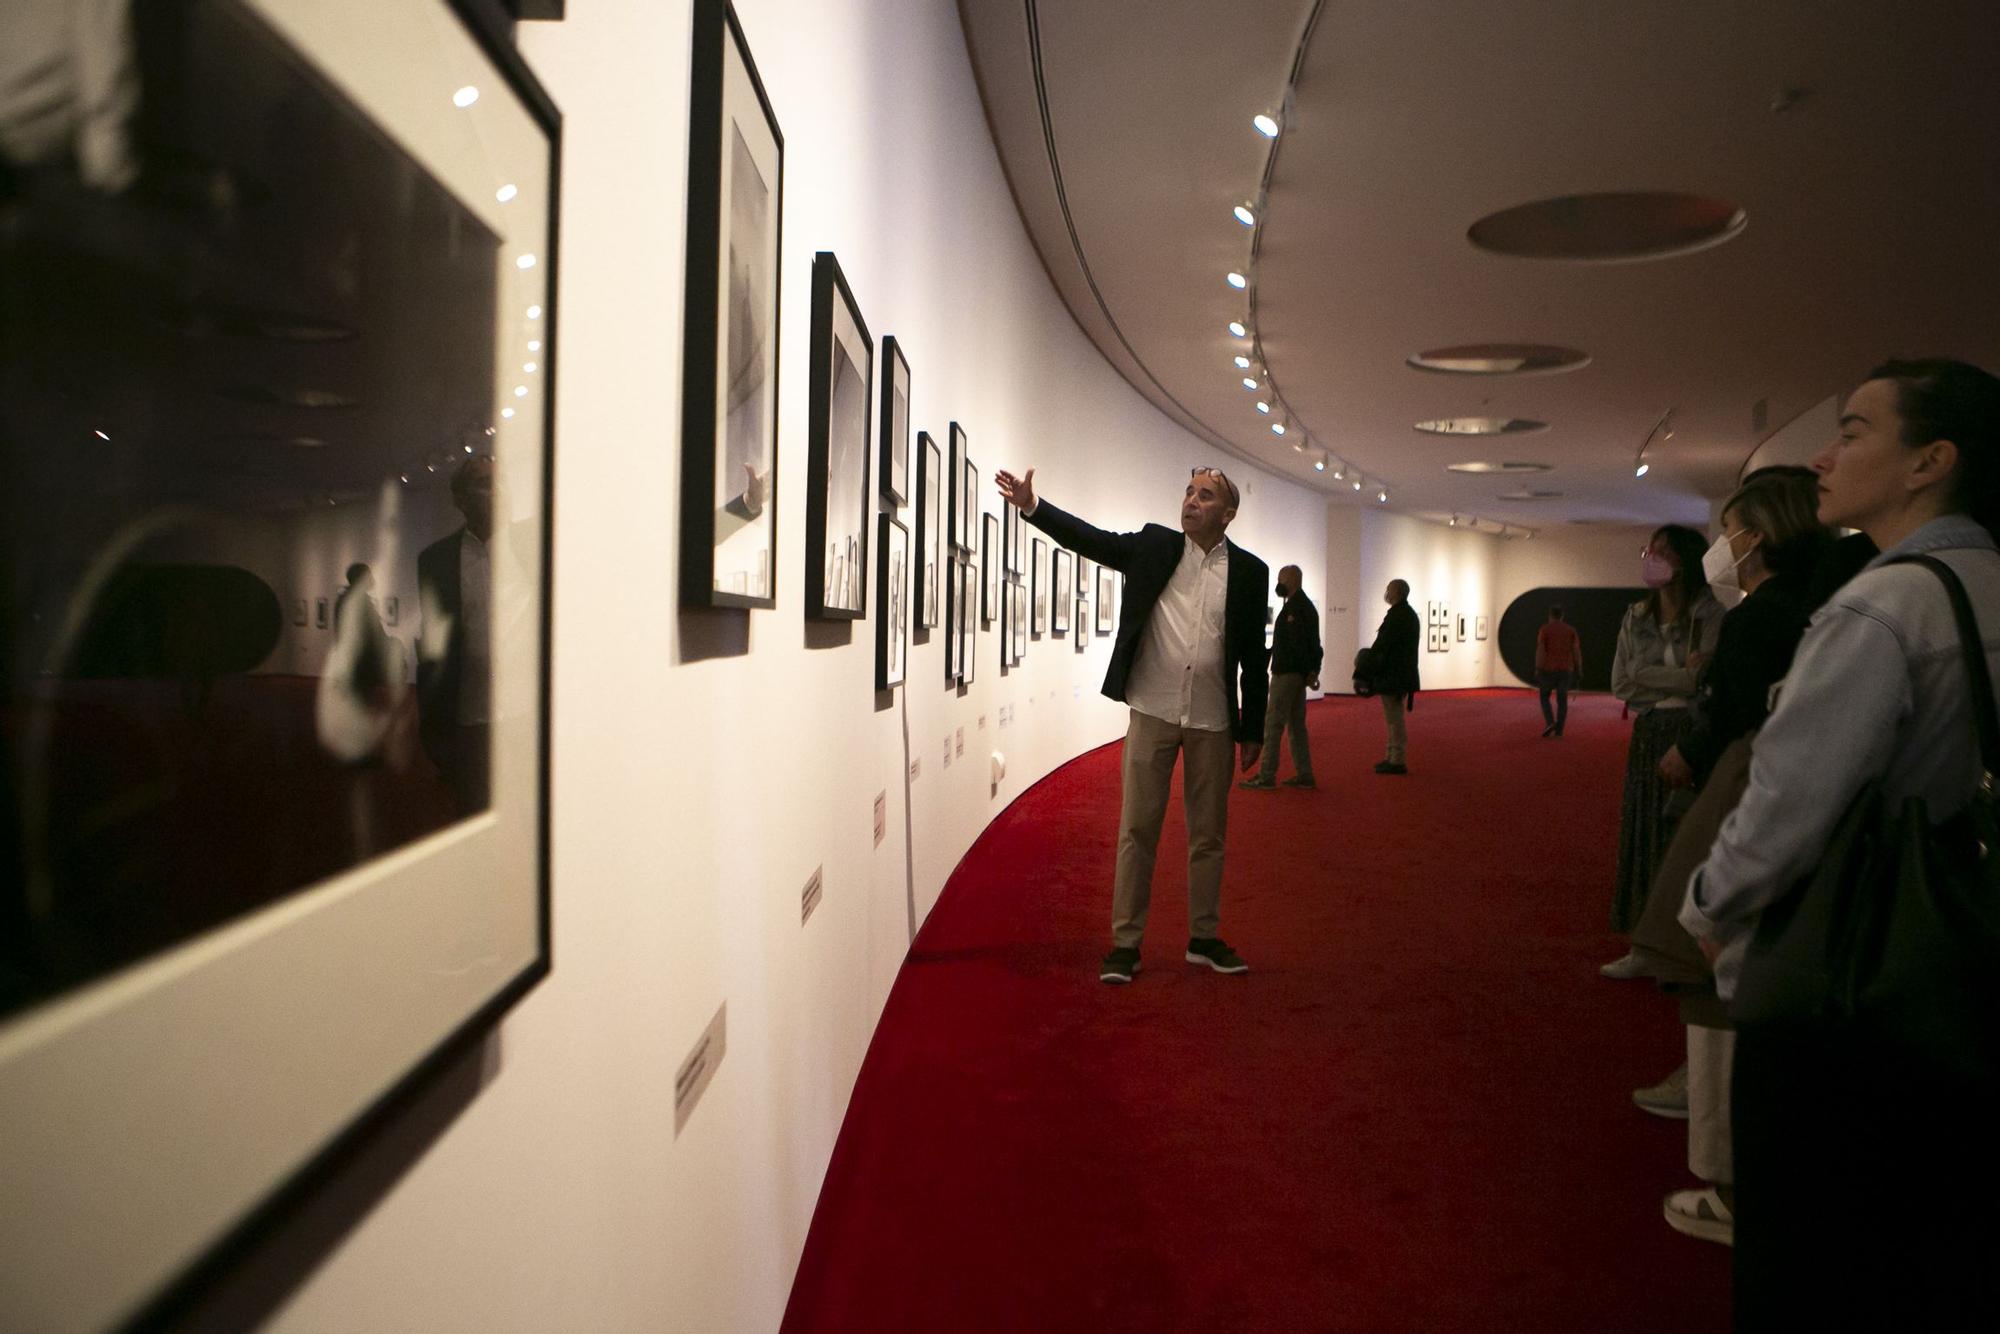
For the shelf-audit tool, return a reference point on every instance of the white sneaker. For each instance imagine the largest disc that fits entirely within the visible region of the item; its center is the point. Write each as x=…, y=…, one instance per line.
x=1668, y=1098
x=1623, y=968
x=1700, y=1213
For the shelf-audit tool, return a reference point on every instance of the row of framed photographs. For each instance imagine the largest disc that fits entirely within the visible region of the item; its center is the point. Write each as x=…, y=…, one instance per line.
x=1440, y=624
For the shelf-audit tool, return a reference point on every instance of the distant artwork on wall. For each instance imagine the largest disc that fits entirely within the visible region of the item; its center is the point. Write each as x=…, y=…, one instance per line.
x=931, y=548
x=1061, y=593
x=1107, y=586
x=962, y=502
x=1081, y=638
x=1479, y=628
x=989, y=565
x=1461, y=627
x=729, y=366
x=837, y=439
x=1017, y=597
x=968, y=622
x=893, y=467
x=892, y=604
x=1038, y=583
x=298, y=611
x=319, y=614
x=392, y=612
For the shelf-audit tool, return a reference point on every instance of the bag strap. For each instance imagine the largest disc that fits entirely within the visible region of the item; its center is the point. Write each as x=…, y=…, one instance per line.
x=1974, y=650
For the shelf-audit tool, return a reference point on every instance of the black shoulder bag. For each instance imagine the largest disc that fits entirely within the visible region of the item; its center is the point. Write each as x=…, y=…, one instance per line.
x=1897, y=933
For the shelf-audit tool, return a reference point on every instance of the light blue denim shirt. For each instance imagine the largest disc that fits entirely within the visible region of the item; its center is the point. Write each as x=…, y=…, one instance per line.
x=1878, y=689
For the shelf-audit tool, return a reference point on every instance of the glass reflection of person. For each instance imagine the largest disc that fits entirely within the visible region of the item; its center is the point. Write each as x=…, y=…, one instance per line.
x=69, y=87
x=743, y=482
x=455, y=643
x=356, y=615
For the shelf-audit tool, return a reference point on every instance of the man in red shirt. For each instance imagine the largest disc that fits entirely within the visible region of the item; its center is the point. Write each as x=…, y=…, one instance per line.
x=1558, y=661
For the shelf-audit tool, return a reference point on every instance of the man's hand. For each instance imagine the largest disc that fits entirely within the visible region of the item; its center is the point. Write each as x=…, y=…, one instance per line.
x=1675, y=770
x=1016, y=491
x=1249, y=752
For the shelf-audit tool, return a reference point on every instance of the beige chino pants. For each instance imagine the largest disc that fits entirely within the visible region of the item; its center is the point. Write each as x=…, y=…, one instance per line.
x=1148, y=773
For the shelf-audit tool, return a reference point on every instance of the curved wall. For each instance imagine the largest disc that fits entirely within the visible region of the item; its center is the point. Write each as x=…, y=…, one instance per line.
x=705, y=766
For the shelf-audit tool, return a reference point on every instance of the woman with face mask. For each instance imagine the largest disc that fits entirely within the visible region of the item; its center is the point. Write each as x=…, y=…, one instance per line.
x=1865, y=1176
x=1662, y=645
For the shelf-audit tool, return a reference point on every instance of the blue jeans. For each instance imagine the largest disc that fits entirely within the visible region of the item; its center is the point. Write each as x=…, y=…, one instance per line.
x=1557, y=683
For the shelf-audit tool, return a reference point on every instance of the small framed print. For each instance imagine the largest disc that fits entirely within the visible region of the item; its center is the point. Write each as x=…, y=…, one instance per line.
x=892, y=617
x=989, y=566
x=1106, y=593
x=1461, y=627
x=837, y=503
x=968, y=622
x=931, y=547
x=392, y=612
x=319, y=614
x=1038, y=583
x=1017, y=555
x=1062, y=593
x=1017, y=596
x=894, y=466
x=298, y=611
x=961, y=503
x=971, y=505
x=1081, y=639
x=1082, y=576
x=1479, y=627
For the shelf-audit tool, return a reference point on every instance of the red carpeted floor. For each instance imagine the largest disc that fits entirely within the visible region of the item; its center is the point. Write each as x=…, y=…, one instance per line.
x=1412, y=1114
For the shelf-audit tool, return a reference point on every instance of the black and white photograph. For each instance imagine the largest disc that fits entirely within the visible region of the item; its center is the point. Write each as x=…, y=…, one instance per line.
x=1017, y=600
x=970, y=484
x=1061, y=592
x=1017, y=555
x=1479, y=627
x=1107, y=592
x=1461, y=627
x=1038, y=583
x=837, y=448
x=931, y=544
x=894, y=460
x=968, y=621
x=1080, y=638
x=296, y=303
x=892, y=596
x=989, y=568
x=729, y=363
x=963, y=499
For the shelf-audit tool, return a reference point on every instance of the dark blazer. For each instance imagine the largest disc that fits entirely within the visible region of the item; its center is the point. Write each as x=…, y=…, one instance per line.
x=1295, y=648
x=438, y=673
x=1147, y=559
x=1752, y=652
x=1395, y=651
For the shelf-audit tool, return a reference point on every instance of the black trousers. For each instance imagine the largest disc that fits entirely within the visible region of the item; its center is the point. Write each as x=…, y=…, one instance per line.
x=1557, y=683
x=1865, y=1188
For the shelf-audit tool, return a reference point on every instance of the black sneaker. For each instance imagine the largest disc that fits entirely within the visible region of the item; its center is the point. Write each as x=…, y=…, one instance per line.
x=1305, y=782
x=1216, y=955
x=1257, y=780
x=1387, y=768
x=1119, y=966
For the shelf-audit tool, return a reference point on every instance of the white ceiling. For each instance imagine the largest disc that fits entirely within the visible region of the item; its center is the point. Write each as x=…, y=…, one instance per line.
x=1873, y=204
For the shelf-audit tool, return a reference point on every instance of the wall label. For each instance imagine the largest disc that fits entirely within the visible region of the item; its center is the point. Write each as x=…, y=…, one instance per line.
x=959, y=749
x=982, y=722
x=947, y=751
x=691, y=1080
x=881, y=816
x=809, y=896
x=916, y=768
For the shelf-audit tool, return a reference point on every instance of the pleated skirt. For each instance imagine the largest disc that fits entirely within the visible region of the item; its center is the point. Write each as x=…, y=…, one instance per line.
x=1644, y=826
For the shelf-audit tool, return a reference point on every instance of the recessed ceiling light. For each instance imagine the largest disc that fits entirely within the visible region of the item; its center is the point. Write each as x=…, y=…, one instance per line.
x=291, y=398
x=1481, y=426
x=1499, y=359
x=534, y=345
x=506, y=413
x=525, y=262
x=1262, y=406
x=1382, y=497
x=465, y=96
x=528, y=366
x=1245, y=216
x=1277, y=428
x=1319, y=465
x=1609, y=228
x=1266, y=126
x=1357, y=484
x=1530, y=495
x=1487, y=465
x=1243, y=363
x=1236, y=327
x=101, y=436
x=506, y=193
x=1238, y=280
x=1249, y=383
x=520, y=391
x=534, y=312
x=1642, y=470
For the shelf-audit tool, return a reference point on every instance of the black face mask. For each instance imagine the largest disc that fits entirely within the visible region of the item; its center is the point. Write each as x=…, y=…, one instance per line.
x=1283, y=591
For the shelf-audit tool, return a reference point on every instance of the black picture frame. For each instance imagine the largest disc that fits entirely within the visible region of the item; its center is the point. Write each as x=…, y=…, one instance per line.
x=1106, y=598
x=989, y=568
x=838, y=446
x=729, y=414
x=1017, y=556
x=892, y=604
x=968, y=624
x=1061, y=593
x=963, y=501
x=232, y=1052
x=1038, y=583
x=1017, y=598
x=1080, y=636
x=893, y=468
x=930, y=518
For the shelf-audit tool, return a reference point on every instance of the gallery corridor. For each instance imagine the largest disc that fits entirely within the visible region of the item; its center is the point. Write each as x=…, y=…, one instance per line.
x=1412, y=1113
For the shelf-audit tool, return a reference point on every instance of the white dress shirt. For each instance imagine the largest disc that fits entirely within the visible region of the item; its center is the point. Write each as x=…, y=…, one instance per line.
x=1178, y=676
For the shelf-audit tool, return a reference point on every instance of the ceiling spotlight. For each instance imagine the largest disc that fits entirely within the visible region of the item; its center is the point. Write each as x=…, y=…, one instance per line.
x=1277, y=428
x=506, y=413
x=1249, y=383
x=1266, y=126
x=520, y=391
x=528, y=366
x=489, y=430
x=1340, y=472
x=1236, y=327
x=468, y=449
x=1357, y=484
x=1319, y=464
x=506, y=193
x=406, y=479
x=1642, y=470
x=525, y=262
x=1454, y=522
x=1262, y=406
x=1245, y=216
x=534, y=312
x=102, y=436
x=465, y=96
x=1243, y=363
x=1237, y=280
x=534, y=345
x=1382, y=497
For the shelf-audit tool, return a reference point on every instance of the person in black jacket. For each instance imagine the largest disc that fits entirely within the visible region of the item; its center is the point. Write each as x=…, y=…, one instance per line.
x=1189, y=659
x=1395, y=659
x=1295, y=661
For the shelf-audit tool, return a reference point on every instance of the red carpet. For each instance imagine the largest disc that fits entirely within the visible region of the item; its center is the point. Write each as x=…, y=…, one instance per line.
x=1412, y=1114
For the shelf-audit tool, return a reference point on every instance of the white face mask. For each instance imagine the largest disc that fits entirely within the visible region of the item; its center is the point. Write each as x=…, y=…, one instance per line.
x=1719, y=564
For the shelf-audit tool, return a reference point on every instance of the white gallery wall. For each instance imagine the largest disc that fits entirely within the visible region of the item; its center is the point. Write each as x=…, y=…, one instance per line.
x=705, y=766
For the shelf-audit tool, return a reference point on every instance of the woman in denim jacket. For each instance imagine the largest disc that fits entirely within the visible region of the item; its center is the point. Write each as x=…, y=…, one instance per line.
x=1662, y=644
x=1847, y=1155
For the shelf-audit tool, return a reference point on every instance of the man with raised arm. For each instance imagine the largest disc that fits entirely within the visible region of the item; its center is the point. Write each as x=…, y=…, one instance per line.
x=1189, y=660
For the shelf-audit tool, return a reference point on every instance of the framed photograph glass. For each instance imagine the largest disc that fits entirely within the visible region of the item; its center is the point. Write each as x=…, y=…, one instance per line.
x=1107, y=585
x=729, y=358
x=968, y=622
x=989, y=565
x=963, y=500
x=892, y=616
x=954, y=610
x=1081, y=639
x=930, y=529
x=837, y=500
x=1082, y=576
x=1461, y=627
x=298, y=302
x=1017, y=596
x=1038, y=583
x=971, y=505
x=1060, y=593
x=1479, y=627
x=894, y=465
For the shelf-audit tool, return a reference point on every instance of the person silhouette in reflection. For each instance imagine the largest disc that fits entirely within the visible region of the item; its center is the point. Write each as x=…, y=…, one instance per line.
x=355, y=614
x=455, y=641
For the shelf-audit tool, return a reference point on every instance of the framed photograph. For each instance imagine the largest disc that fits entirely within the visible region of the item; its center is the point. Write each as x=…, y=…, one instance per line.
x=1106, y=597
x=1081, y=639
x=954, y=611
x=322, y=225
x=894, y=466
x=1082, y=576
x=971, y=505
x=1038, y=582
x=1017, y=555
x=1461, y=627
x=989, y=566
x=1017, y=597
x=963, y=501
x=1479, y=627
x=837, y=500
x=968, y=622
x=1061, y=593
x=392, y=612
x=930, y=529
x=892, y=616
x=729, y=359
